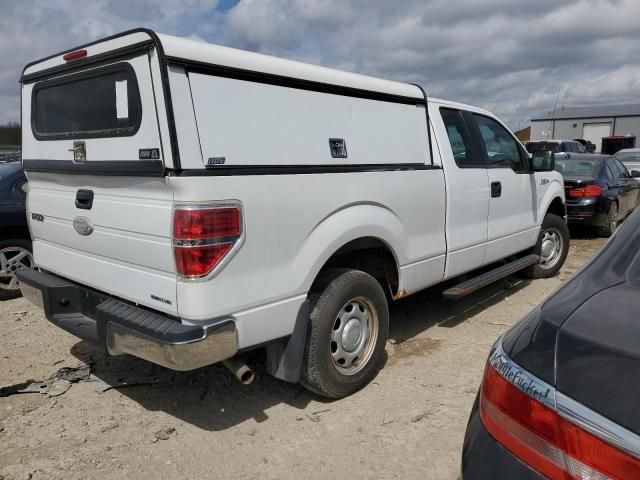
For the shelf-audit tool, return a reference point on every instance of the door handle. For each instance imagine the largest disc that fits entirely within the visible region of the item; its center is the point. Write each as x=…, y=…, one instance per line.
x=84, y=199
x=496, y=189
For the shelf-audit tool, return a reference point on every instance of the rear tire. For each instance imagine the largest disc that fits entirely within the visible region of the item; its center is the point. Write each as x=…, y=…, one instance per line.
x=347, y=332
x=612, y=221
x=14, y=255
x=552, y=246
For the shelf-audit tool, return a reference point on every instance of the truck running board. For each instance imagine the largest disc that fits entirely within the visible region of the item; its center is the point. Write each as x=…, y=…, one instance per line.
x=476, y=283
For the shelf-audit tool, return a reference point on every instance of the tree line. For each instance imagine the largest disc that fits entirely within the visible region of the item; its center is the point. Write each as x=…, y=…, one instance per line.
x=10, y=134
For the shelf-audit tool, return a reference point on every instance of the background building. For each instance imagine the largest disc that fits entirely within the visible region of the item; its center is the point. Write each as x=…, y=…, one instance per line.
x=590, y=123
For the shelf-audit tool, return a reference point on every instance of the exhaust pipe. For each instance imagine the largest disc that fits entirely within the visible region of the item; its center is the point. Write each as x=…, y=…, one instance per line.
x=240, y=370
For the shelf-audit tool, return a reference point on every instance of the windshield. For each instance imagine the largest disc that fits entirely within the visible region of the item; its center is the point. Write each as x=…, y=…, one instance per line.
x=537, y=146
x=579, y=168
x=104, y=102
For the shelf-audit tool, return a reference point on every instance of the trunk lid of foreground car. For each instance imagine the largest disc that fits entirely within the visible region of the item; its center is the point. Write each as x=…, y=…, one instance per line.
x=99, y=206
x=598, y=355
x=585, y=338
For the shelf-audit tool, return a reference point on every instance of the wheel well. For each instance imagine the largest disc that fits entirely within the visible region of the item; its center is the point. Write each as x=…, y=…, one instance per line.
x=371, y=255
x=14, y=232
x=557, y=207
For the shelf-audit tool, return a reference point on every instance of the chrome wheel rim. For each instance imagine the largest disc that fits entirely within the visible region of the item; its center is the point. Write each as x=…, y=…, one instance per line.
x=551, y=248
x=353, y=336
x=12, y=260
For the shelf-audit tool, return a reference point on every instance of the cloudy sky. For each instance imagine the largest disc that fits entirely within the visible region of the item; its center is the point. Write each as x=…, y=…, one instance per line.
x=510, y=56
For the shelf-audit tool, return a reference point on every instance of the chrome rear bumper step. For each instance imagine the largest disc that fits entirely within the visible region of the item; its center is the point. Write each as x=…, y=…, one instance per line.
x=120, y=328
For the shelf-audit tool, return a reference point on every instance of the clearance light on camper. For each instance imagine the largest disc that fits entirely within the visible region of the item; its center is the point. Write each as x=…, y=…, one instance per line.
x=204, y=236
x=75, y=55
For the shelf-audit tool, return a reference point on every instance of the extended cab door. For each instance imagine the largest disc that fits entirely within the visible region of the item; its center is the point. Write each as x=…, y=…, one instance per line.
x=467, y=192
x=512, y=225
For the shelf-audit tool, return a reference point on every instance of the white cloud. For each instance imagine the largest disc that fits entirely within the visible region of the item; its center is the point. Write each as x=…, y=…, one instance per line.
x=32, y=29
x=511, y=57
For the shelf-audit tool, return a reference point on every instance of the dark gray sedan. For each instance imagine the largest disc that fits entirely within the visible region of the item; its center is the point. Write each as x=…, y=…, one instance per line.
x=560, y=394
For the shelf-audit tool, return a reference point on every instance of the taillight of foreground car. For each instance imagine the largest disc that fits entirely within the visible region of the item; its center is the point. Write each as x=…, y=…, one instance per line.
x=204, y=237
x=520, y=412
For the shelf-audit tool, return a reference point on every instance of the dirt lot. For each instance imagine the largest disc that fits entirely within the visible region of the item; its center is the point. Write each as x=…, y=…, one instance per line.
x=409, y=423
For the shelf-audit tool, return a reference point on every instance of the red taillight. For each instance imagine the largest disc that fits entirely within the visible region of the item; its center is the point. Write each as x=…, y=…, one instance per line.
x=203, y=236
x=586, y=191
x=76, y=54
x=190, y=224
x=540, y=437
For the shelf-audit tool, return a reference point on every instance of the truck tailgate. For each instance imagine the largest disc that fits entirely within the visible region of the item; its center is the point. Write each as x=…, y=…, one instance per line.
x=128, y=253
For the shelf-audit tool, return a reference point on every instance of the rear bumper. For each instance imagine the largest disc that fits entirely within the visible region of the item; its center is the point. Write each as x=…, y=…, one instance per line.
x=119, y=328
x=589, y=214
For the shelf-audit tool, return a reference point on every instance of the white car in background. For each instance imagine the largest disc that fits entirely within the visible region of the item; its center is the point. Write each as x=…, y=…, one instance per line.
x=630, y=157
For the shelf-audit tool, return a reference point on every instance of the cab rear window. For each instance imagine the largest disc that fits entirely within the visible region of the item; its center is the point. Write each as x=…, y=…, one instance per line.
x=104, y=102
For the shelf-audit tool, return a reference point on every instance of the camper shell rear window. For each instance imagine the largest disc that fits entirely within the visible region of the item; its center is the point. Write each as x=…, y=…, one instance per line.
x=98, y=103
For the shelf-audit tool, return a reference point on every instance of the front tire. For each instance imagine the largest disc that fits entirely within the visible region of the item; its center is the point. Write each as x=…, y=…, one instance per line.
x=347, y=332
x=552, y=246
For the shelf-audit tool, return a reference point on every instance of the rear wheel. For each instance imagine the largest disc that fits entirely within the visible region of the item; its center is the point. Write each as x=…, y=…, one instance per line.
x=14, y=255
x=612, y=221
x=552, y=246
x=348, y=328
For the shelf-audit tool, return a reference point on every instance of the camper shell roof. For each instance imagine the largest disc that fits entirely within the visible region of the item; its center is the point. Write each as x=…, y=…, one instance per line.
x=197, y=54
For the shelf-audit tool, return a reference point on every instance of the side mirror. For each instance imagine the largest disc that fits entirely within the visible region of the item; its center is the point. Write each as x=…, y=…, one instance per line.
x=635, y=173
x=543, y=161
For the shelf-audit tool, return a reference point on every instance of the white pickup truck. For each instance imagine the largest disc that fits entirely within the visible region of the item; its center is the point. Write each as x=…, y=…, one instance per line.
x=188, y=202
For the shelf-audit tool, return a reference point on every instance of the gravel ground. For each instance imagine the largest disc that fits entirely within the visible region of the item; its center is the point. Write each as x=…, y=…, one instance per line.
x=409, y=423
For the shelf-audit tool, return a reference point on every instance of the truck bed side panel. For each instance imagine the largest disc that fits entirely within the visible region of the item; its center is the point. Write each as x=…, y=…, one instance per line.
x=294, y=223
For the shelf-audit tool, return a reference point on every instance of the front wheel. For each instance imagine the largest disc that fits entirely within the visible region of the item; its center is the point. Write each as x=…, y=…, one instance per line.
x=552, y=246
x=347, y=332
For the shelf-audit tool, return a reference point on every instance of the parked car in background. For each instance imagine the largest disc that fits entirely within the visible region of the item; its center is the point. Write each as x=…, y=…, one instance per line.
x=589, y=146
x=559, y=396
x=600, y=191
x=15, y=243
x=557, y=146
x=630, y=157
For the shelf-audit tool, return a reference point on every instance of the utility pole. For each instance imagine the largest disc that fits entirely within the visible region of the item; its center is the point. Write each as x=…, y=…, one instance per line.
x=553, y=115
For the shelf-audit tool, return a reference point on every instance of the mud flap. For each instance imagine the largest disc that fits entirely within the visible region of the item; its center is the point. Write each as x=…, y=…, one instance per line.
x=284, y=358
